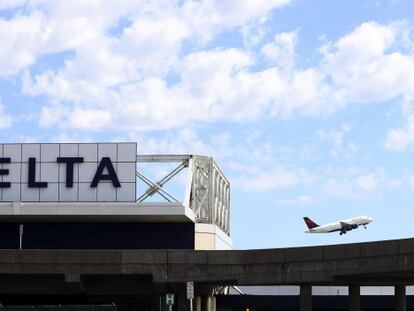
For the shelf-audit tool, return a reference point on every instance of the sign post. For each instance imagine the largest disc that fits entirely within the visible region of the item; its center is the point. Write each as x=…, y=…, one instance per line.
x=169, y=300
x=21, y=236
x=190, y=293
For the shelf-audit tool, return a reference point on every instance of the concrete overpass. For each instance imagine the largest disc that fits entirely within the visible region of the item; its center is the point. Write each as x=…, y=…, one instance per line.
x=154, y=272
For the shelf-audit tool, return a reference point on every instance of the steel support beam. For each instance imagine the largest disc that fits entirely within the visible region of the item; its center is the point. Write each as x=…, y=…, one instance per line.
x=147, y=158
x=158, y=185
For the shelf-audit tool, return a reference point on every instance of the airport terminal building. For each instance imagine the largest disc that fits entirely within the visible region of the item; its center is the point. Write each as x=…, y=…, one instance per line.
x=88, y=226
x=96, y=196
x=85, y=196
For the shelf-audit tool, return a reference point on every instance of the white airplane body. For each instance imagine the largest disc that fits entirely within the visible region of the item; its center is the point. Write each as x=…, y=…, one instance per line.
x=342, y=226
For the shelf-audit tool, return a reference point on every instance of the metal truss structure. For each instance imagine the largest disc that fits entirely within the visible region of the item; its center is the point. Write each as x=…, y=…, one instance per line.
x=207, y=190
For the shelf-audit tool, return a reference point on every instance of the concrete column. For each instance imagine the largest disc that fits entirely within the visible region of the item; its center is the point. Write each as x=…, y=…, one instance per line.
x=208, y=303
x=204, y=303
x=400, y=299
x=354, y=298
x=197, y=303
x=181, y=302
x=305, y=298
x=213, y=304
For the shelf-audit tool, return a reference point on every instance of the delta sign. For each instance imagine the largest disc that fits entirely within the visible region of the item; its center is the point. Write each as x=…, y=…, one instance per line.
x=72, y=172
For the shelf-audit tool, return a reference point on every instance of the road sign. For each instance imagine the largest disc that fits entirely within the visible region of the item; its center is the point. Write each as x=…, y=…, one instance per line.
x=169, y=299
x=190, y=290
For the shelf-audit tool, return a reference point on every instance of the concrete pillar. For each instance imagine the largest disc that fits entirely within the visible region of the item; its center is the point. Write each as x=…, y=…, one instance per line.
x=213, y=304
x=305, y=298
x=197, y=303
x=204, y=303
x=208, y=303
x=181, y=302
x=400, y=299
x=354, y=298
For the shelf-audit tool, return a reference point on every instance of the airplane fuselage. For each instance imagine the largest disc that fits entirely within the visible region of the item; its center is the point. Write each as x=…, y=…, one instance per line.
x=343, y=226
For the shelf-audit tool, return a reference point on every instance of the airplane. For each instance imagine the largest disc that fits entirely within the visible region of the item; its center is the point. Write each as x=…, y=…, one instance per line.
x=342, y=226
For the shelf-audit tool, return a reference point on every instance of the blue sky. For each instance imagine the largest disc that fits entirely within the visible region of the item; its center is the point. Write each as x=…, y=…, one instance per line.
x=307, y=106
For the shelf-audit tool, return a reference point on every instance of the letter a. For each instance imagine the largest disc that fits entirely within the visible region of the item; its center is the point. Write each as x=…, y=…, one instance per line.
x=105, y=163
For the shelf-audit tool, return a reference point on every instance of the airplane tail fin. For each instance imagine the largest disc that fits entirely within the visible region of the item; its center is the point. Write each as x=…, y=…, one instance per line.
x=309, y=222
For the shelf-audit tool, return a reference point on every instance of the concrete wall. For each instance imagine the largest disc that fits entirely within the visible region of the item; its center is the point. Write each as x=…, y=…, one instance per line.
x=211, y=237
x=375, y=263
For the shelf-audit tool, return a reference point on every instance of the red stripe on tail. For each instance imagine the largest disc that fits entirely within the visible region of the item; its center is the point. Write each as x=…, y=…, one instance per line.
x=310, y=223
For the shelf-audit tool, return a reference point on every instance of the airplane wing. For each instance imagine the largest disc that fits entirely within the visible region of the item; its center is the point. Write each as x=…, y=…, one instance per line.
x=346, y=226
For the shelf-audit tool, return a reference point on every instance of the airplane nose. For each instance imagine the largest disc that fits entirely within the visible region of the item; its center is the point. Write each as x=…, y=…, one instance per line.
x=371, y=219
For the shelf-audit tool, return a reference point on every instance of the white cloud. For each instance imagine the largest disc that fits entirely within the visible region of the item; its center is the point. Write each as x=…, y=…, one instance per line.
x=183, y=141
x=10, y=4
x=395, y=183
x=336, y=137
x=254, y=32
x=400, y=139
x=124, y=75
x=5, y=119
x=156, y=31
x=20, y=38
x=70, y=138
x=212, y=85
x=340, y=145
x=264, y=180
x=299, y=200
x=376, y=72
x=354, y=185
x=281, y=51
x=367, y=182
x=81, y=119
x=209, y=17
x=152, y=45
x=51, y=27
x=260, y=171
x=144, y=65
x=251, y=165
x=50, y=115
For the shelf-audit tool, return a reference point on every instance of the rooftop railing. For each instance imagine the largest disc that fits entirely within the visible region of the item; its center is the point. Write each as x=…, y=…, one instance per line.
x=207, y=190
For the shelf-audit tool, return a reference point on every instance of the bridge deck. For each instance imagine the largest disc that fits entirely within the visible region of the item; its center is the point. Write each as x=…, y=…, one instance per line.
x=372, y=263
